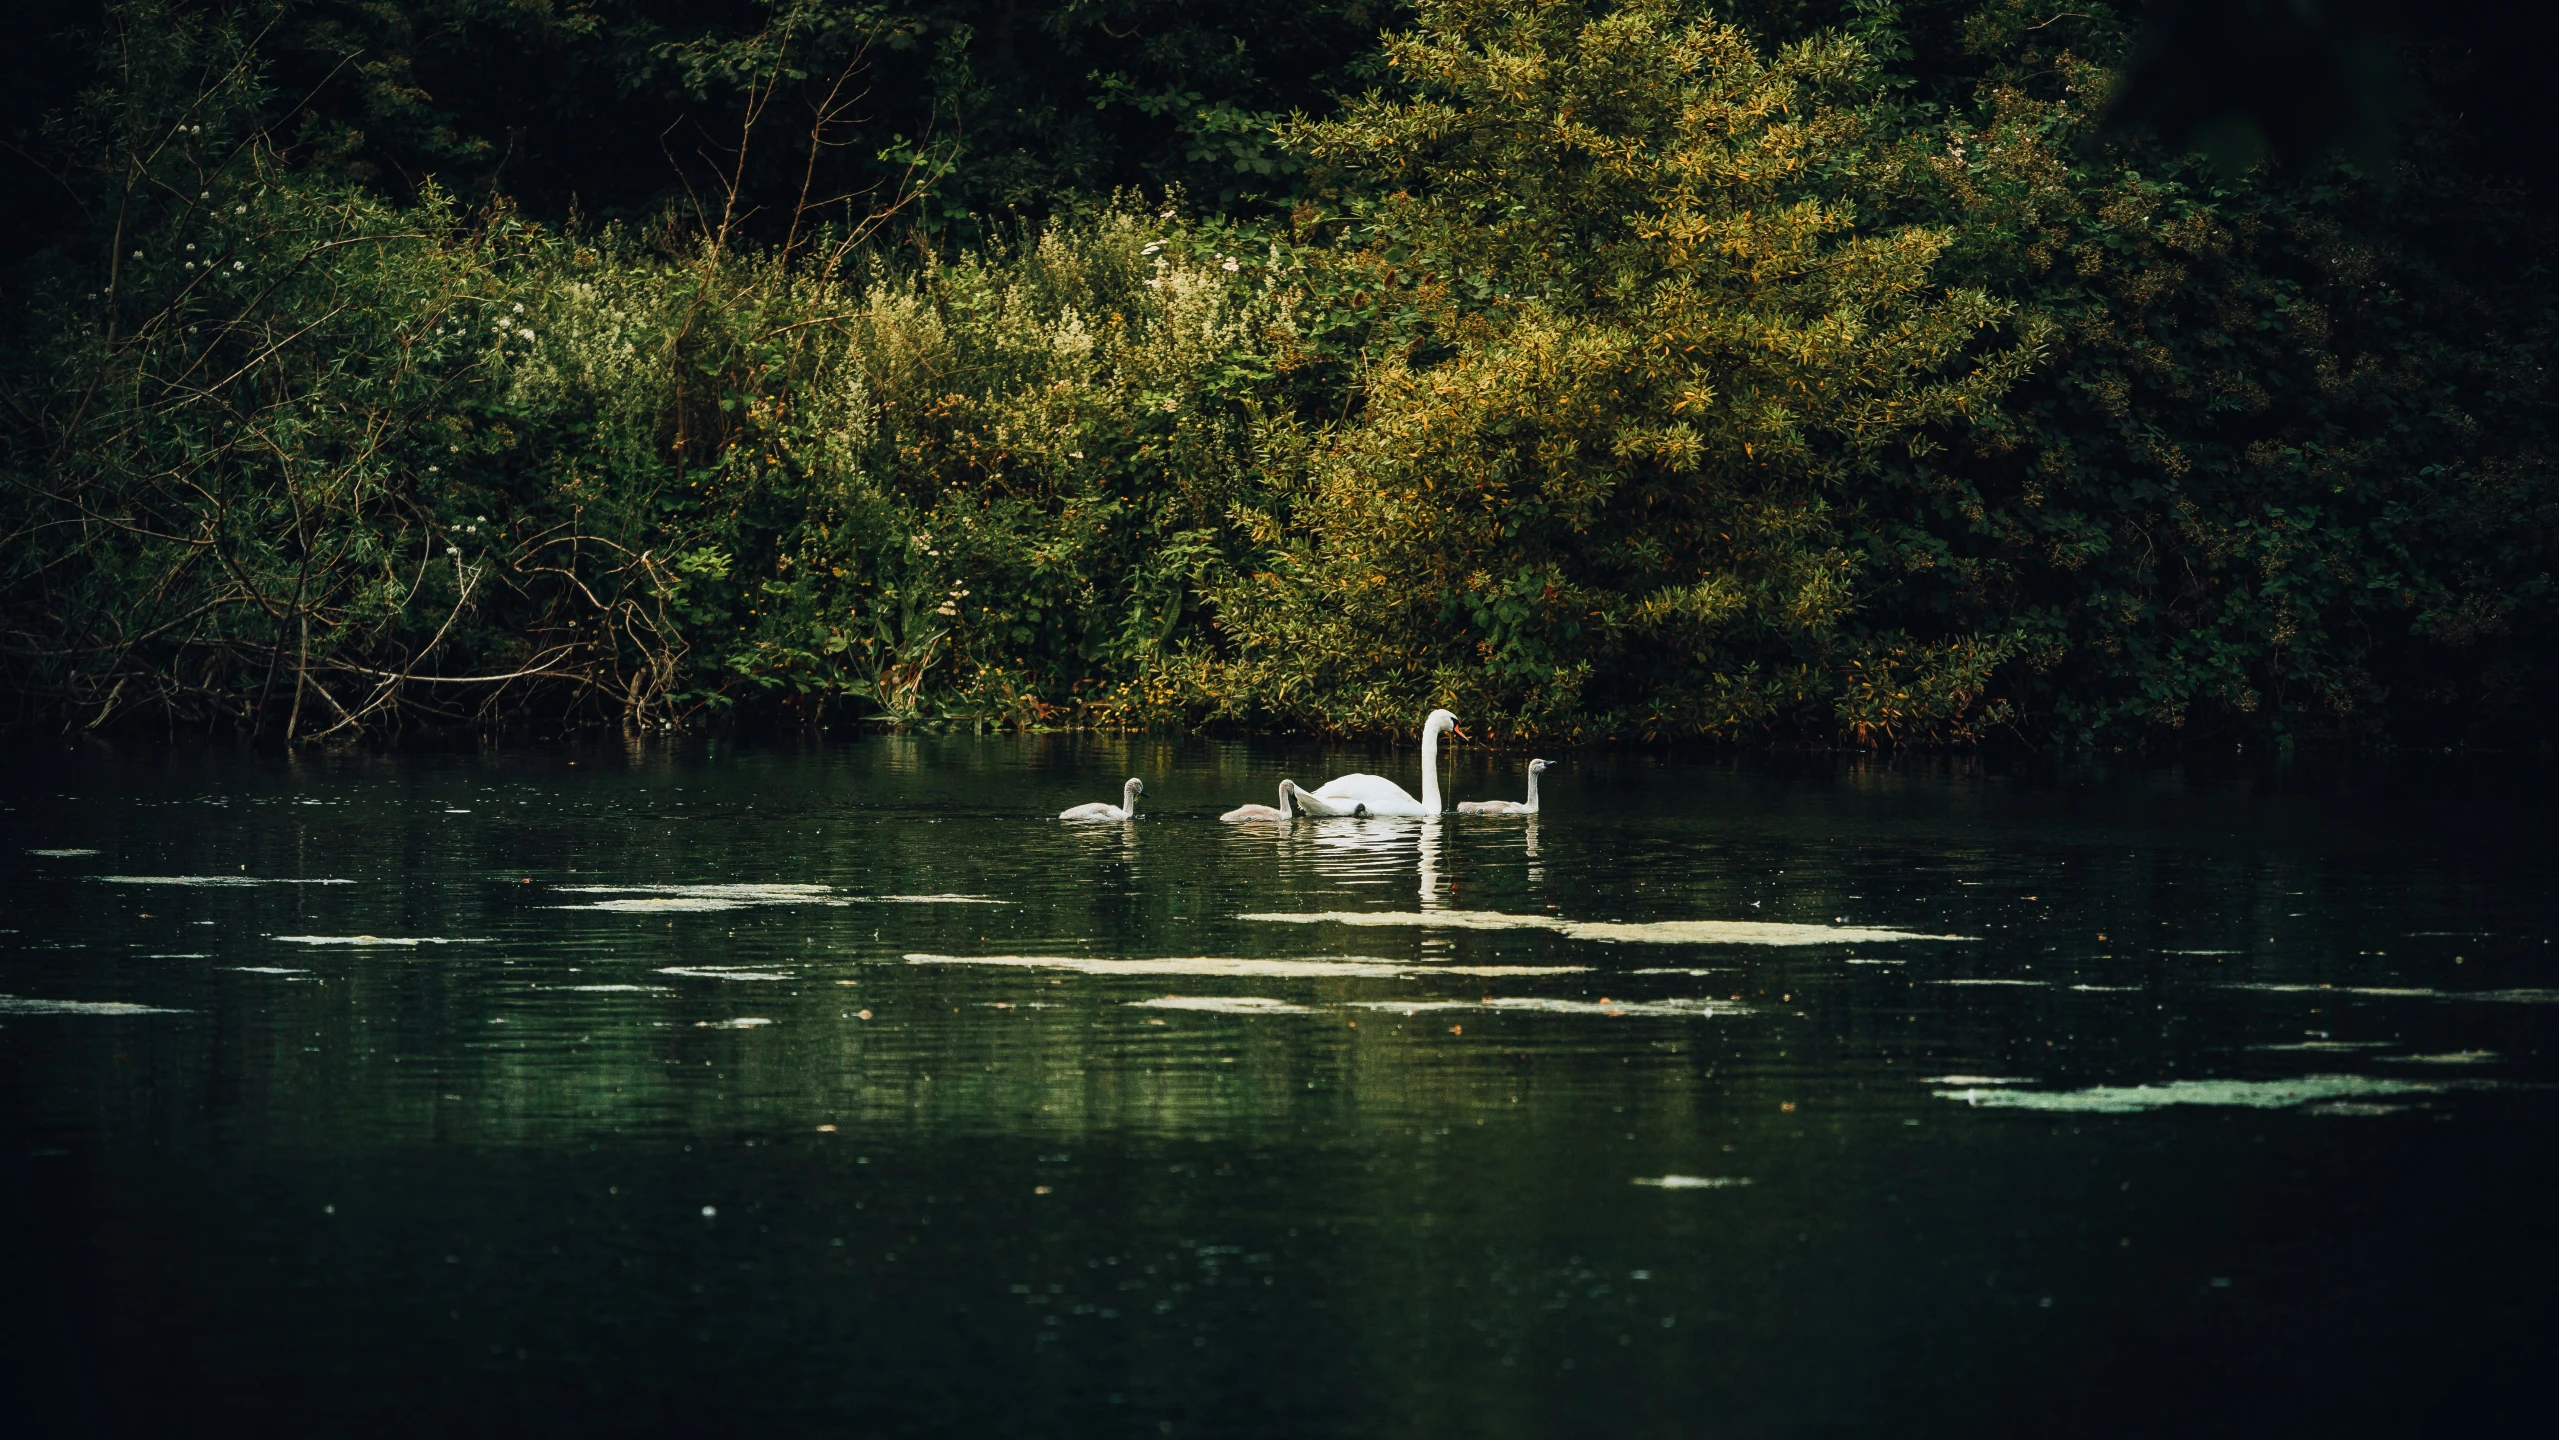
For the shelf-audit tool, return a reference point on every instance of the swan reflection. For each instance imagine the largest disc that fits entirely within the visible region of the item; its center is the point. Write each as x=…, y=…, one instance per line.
x=1099, y=840
x=1360, y=852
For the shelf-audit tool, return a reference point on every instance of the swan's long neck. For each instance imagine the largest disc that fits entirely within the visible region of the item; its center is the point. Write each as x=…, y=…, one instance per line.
x=1532, y=792
x=1430, y=769
x=1288, y=799
x=1128, y=799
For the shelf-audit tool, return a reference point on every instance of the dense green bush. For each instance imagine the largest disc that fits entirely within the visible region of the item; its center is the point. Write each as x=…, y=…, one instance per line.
x=1618, y=372
x=2285, y=464
x=312, y=462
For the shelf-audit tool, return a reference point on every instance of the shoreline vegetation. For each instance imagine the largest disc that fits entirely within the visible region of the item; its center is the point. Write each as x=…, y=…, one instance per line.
x=1599, y=371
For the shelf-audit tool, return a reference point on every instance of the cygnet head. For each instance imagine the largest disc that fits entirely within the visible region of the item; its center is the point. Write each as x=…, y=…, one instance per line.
x=1537, y=767
x=1135, y=786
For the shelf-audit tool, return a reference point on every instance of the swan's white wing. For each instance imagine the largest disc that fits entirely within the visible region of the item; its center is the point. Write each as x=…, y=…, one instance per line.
x=1381, y=795
x=1095, y=811
x=1493, y=807
x=1253, y=812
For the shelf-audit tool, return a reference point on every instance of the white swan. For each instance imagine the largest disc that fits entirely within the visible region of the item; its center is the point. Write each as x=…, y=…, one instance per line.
x=1125, y=810
x=1381, y=795
x=1509, y=807
x=1286, y=810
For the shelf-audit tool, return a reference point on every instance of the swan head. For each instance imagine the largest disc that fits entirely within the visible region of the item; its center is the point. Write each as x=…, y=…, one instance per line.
x=1439, y=720
x=1134, y=786
x=1539, y=767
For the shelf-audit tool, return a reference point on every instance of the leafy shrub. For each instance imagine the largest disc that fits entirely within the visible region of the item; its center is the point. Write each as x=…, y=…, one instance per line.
x=1644, y=346
x=1618, y=374
x=2284, y=467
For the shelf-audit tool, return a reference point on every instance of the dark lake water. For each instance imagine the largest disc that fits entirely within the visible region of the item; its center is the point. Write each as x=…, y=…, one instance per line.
x=840, y=1089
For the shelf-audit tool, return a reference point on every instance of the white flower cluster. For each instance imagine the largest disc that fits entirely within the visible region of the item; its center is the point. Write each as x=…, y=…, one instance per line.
x=599, y=341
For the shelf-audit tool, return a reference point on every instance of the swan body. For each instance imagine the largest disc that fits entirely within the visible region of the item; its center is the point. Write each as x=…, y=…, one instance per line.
x=1125, y=810
x=1343, y=793
x=1510, y=807
x=1285, y=810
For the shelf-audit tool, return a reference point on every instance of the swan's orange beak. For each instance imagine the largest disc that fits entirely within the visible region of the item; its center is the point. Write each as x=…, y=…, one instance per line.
x=1459, y=732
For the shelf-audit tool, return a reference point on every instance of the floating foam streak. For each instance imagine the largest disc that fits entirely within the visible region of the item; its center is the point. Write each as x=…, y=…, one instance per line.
x=1658, y=932
x=749, y=892
x=369, y=940
x=739, y=896
x=2497, y=997
x=682, y=898
x=1225, y=1005
x=711, y=972
x=1435, y=919
x=2253, y=1094
x=1223, y=965
x=1558, y=1007
x=22, y=1005
x=208, y=881
x=2395, y=992
x=655, y=904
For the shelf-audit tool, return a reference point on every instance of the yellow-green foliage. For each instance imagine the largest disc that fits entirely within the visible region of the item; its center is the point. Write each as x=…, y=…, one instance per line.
x=1648, y=339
